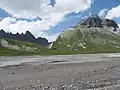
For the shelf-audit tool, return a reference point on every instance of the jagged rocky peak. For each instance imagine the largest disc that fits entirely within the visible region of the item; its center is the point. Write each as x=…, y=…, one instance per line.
x=92, y=21
x=96, y=21
x=28, y=33
x=2, y=32
x=28, y=36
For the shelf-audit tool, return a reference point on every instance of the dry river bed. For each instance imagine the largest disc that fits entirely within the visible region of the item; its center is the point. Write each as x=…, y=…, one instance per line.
x=70, y=72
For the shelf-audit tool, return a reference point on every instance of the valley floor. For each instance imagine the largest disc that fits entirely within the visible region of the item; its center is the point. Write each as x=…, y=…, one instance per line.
x=68, y=72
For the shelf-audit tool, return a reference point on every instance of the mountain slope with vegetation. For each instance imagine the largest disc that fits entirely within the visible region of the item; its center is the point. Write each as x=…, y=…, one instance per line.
x=92, y=35
x=17, y=47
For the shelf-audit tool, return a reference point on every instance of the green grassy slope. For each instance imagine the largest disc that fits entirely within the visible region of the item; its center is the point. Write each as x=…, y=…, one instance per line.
x=87, y=40
x=8, y=52
x=18, y=42
x=40, y=50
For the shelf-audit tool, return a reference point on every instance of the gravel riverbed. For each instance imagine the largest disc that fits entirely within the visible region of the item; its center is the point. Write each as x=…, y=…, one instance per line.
x=70, y=72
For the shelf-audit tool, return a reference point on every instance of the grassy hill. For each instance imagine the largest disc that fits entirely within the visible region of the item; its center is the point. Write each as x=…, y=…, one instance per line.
x=35, y=49
x=18, y=42
x=87, y=40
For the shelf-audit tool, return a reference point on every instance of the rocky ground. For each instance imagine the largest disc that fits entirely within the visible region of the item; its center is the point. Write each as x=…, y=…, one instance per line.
x=63, y=74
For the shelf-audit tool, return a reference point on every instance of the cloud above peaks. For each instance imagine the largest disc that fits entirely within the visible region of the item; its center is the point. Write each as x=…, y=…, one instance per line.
x=113, y=13
x=119, y=25
x=103, y=12
x=51, y=12
x=10, y=24
x=21, y=8
x=40, y=8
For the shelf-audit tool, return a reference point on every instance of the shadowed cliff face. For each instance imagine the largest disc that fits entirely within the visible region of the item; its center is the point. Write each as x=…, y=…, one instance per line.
x=95, y=21
x=25, y=37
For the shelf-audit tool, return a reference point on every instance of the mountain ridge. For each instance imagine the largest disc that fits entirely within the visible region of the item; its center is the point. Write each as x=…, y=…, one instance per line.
x=96, y=21
x=28, y=36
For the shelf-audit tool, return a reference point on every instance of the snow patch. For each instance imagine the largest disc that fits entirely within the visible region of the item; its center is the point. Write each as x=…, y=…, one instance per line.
x=59, y=42
x=82, y=45
x=117, y=46
x=69, y=46
x=50, y=45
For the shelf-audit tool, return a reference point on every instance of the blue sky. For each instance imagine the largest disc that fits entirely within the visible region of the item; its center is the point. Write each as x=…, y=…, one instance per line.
x=96, y=7
x=47, y=18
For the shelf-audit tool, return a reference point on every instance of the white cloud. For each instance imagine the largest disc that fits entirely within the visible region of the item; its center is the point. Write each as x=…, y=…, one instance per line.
x=119, y=25
x=35, y=27
x=113, y=13
x=30, y=9
x=21, y=8
x=40, y=8
x=103, y=12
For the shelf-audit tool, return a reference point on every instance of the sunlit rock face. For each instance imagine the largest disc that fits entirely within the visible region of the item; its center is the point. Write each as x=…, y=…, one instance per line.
x=4, y=43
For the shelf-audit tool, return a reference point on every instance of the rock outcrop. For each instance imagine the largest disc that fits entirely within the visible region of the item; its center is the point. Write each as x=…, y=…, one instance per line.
x=95, y=21
x=4, y=43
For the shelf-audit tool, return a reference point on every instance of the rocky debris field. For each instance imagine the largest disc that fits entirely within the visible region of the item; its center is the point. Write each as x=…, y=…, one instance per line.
x=61, y=75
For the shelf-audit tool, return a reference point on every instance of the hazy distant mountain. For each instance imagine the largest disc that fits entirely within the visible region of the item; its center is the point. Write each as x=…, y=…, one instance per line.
x=25, y=37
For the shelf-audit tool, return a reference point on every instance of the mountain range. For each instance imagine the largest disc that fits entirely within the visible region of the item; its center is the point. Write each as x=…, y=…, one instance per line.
x=25, y=37
x=91, y=35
